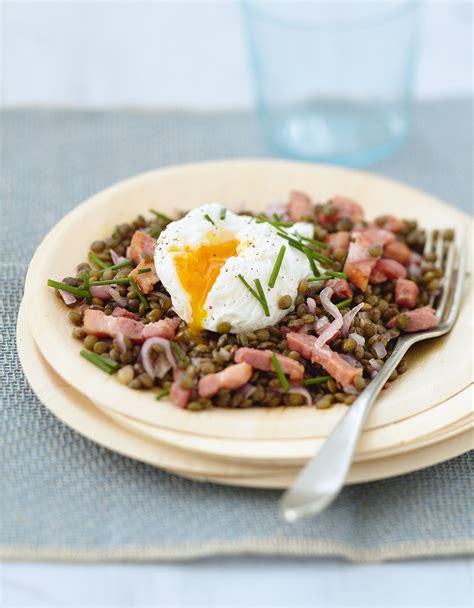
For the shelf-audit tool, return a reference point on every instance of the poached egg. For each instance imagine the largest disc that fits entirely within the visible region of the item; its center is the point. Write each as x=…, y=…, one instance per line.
x=202, y=258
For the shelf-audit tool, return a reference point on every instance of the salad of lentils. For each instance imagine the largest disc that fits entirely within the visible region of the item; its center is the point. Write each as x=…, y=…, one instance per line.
x=340, y=327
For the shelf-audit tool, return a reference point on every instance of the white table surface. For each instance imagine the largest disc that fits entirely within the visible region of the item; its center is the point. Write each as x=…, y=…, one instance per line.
x=41, y=51
x=243, y=581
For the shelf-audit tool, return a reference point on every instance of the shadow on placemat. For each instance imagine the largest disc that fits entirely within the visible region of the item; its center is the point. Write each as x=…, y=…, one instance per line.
x=65, y=498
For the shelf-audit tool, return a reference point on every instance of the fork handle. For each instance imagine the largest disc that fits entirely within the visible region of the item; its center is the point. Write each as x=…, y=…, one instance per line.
x=321, y=480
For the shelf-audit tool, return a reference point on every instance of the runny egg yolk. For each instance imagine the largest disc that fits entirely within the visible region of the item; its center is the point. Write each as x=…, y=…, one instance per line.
x=198, y=269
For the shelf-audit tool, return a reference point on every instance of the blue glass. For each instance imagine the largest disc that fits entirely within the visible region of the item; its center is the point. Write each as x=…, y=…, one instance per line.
x=333, y=80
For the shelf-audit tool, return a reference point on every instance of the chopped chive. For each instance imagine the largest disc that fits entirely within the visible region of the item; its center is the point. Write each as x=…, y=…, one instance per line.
x=96, y=260
x=179, y=353
x=82, y=293
x=313, y=241
x=118, y=266
x=276, y=217
x=251, y=289
x=164, y=393
x=110, y=281
x=143, y=270
x=343, y=263
x=276, y=268
x=263, y=299
x=321, y=258
x=335, y=273
x=322, y=277
x=343, y=303
x=223, y=213
x=209, y=218
x=275, y=224
x=109, y=366
x=279, y=372
x=316, y=380
x=85, y=285
x=155, y=233
x=311, y=261
x=139, y=293
x=161, y=216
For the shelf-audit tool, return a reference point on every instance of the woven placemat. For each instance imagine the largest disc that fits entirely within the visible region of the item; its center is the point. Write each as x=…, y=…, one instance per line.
x=63, y=497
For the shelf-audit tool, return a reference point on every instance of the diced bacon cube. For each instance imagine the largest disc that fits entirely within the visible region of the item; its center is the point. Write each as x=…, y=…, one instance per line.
x=262, y=359
x=341, y=288
x=338, y=240
x=145, y=280
x=299, y=206
x=386, y=270
x=419, y=319
x=398, y=251
x=231, y=377
x=142, y=246
x=406, y=293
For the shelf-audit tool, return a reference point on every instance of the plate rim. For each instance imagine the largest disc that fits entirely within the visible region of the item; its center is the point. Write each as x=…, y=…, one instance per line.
x=151, y=175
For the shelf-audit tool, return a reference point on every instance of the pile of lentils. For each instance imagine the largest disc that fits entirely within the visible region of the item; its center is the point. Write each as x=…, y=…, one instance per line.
x=211, y=352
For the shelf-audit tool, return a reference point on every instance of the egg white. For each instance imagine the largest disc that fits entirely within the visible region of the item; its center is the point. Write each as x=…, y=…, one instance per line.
x=228, y=300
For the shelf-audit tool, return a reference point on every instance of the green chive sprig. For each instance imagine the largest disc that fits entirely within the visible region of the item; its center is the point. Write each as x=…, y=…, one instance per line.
x=279, y=372
x=77, y=291
x=162, y=394
x=258, y=295
x=313, y=241
x=344, y=303
x=316, y=380
x=96, y=260
x=144, y=270
x=139, y=293
x=178, y=352
x=276, y=268
x=161, y=216
x=223, y=213
x=117, y=266
x=109, y=366
x=209, y=218
x=336, y=274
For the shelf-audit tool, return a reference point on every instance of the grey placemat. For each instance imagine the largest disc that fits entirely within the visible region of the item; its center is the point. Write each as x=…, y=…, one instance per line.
x=63, y=497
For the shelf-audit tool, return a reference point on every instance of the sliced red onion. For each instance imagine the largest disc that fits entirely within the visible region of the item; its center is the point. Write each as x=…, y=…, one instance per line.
x=302, y=391
x=160, y=295
x=162, y=366
x=246, y=390
x=116, y=258
x=68, y=298
x=331, y=330
x=329, y=306
x=305, y=329
x=375, y=364
x=311, y=304
x=120, y=338
x=359, y=340
x=127, y=253
x=380, y=349
x=363, y=314
x=350, y=389
x=414, y=270
x=114, y=292
x=373, y=373
x=145, y=354
x=321, y=323
x=351, y=360
x=100, y=291
x=349, y=317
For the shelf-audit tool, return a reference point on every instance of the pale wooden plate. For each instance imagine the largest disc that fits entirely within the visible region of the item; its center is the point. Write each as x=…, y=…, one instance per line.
x=75, y=410
x=234, y=183
x=434, y=422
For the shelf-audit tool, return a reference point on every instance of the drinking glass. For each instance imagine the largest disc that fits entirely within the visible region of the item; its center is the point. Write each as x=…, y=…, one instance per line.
x=333, y=80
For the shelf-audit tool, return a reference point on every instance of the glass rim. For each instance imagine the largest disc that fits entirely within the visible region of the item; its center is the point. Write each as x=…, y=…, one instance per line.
x=257, y=6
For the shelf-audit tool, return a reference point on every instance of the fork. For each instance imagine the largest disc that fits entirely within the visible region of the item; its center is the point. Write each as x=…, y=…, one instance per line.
x=321, y=480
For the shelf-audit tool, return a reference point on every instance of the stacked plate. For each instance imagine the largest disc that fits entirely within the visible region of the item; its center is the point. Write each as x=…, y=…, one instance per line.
x=423, y=418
